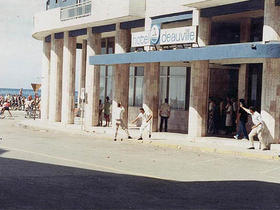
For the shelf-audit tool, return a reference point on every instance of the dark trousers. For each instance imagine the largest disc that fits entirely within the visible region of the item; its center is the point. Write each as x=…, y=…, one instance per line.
x=165, y=121
x=242, y=129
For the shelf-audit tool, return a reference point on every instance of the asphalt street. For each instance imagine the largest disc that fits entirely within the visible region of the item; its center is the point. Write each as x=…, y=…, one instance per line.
x=58, y=170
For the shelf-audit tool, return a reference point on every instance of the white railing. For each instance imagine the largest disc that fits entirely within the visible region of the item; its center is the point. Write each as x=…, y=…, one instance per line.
x=75, y=11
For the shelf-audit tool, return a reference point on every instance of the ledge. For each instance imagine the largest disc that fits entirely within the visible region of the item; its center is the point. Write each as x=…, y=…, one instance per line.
x=243, y=51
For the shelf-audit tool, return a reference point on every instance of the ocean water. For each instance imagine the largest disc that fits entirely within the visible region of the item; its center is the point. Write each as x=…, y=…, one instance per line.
x=25, y=92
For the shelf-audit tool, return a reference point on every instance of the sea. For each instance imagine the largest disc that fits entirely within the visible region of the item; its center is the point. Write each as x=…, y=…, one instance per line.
x=25, y=92
x=12, y=91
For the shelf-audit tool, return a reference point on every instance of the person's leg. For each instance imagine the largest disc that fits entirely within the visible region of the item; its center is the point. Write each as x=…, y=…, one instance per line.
x=10, y=113
x=116, y=131
x=125, y=129
x=251, y=136
x=149, y=127
x=166, y=124
x=161, y=124
x=142, y=128
x=263, y=143
x=239, y=129
x=244, y=130
x=108, y=121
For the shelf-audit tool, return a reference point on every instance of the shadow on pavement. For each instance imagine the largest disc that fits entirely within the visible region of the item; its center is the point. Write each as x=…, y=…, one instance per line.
x=2, y=151
x=31, y=185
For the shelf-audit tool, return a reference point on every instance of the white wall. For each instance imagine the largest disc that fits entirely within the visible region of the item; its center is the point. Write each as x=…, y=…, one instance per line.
x=160, y=7
x=103, y=12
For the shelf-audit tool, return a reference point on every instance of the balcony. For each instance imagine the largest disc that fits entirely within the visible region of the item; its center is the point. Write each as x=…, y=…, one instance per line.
x=200, y=4
x=87, y=14
x=75, y=11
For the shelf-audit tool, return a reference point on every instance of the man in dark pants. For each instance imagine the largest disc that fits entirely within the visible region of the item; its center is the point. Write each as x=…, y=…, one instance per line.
x=242, y=117
x=164, y=114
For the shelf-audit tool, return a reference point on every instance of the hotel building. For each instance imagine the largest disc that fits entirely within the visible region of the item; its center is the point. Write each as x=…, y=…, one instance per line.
x=139, y=52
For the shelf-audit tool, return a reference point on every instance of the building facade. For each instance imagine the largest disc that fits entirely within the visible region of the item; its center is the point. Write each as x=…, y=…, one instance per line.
x=139, y=52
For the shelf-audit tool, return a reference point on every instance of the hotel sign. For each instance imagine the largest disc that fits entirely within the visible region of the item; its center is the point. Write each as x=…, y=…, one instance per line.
x=157, y=36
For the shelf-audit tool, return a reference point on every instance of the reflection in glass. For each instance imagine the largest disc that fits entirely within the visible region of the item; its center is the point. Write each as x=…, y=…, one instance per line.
x=177, y=87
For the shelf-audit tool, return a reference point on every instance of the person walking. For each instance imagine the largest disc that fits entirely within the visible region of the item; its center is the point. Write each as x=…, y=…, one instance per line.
x=107, y=106
x=164, y=114
x=146, y=122
x=119, y=121
x=257, y=128
x=242, y=118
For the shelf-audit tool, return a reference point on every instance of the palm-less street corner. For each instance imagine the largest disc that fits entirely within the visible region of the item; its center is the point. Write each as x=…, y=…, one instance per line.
x=56, y=170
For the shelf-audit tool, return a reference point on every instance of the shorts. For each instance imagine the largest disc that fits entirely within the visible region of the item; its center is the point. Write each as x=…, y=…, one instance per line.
x=6, y=108
x=107, y=116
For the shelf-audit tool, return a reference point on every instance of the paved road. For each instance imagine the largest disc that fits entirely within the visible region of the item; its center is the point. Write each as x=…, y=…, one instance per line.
x=54, y=170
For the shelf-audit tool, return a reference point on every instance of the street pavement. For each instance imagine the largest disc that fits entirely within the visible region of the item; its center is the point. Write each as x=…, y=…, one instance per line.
x=60, y=170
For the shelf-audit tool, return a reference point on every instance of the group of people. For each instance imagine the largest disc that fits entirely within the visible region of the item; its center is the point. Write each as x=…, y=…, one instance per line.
x=232, y=117
x=18, y=102
x=144, y=116
x=222, y=116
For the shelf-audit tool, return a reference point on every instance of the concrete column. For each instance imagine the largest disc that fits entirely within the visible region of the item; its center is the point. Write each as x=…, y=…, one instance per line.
x=45, y=89
x=199, y=92
x=271, y=29
x=245, y=33
x=271, y=77
x=199, y=88
x=82, y=83
x=243, y=82
x=151, y=91
x=121, y=72
x=55, y=79
x=68, y=79
x=92, y=80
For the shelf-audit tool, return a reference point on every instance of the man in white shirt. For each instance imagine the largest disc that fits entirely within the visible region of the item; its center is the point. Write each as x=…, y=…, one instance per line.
x=146, y=123
x=119, y=121
x=164, y=114
x=257, y=128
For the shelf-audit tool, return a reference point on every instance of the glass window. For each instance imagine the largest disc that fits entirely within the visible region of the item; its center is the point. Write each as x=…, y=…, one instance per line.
x=139, y=82
x=109, y=81
x=131, y=86
x=140, y=71
x=177, y=87
x=163, y=71
x=163, y=84
x=102, y=82
x=163, y=89
x=139, y=91
x=111, y=45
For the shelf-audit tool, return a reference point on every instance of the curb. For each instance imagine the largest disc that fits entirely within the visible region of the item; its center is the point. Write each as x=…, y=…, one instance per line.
x=193, y=148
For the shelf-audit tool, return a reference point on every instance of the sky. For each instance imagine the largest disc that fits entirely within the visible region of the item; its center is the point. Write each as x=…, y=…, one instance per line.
x=20, y=54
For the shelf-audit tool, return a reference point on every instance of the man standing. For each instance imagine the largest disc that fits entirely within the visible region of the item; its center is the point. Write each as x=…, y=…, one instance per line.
x=257, y=128
x=119, y=121
x=107, y=106
x=146, y=123
x=164, y=114
x=242, y=118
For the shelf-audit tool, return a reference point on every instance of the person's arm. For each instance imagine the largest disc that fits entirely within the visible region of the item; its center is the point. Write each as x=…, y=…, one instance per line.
x=134, y=121
x=246, y=110
x=149, y=118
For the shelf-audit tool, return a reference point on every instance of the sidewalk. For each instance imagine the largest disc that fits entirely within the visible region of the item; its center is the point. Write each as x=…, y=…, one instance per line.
x=226, y=146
